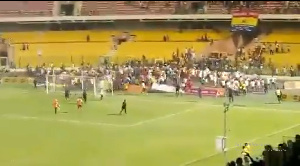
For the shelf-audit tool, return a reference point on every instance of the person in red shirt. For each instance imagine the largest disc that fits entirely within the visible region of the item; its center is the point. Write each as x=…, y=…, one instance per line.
x=56, y=105
x=79, y=103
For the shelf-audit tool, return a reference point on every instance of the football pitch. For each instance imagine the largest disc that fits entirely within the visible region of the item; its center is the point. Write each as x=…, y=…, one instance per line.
x=159, y=129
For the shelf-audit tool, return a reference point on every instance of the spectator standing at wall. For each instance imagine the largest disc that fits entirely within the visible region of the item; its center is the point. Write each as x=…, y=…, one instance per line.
x=88, y=38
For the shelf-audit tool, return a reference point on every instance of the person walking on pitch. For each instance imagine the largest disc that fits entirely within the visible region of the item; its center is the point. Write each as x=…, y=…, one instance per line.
x=278, y=93
x=67, y=93
x=79, y=103
x=56, y=105
x=230, y=95
x=84, y=96
x=123, y=108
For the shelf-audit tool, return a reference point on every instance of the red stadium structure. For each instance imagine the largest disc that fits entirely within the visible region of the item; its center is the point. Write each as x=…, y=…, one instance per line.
x=49, y=8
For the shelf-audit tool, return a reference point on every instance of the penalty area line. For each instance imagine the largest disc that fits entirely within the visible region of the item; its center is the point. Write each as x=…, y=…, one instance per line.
x=162, y=117
x=77, y=122
x=234, y=147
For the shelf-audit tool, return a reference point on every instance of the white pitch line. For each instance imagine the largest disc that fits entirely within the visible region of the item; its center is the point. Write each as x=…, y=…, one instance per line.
x=234, y=106
x=162, y=117
x=260, y=109
x=233, y=147
x=62, y=120
x=141, y=122
x=96, y=123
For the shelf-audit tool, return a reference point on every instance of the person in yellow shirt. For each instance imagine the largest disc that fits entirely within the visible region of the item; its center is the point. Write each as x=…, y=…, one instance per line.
x=246, y=149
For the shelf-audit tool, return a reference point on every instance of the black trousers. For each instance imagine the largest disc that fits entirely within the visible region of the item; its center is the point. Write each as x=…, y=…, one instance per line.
x=279, y=98
x=177, y=92
x=123, y=109
x=230, y=98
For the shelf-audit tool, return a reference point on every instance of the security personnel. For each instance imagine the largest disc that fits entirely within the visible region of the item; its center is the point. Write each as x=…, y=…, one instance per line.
x=246, y=149
x=84, y=96
x=230, y=95
x=278, y=93
x=124, y=107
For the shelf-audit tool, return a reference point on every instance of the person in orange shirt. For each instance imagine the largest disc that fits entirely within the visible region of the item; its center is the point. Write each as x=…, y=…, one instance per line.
x=79, y=103
x=55, y=105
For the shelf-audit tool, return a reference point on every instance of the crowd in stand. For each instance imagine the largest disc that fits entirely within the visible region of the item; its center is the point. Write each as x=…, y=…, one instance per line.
x=266, y=7
x=203, y=72
x=285, y=154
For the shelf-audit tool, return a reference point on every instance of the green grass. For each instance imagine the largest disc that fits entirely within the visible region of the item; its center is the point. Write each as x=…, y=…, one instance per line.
x=158, y=130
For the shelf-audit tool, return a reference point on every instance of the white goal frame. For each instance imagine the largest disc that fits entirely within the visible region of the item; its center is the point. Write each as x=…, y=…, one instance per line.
x=97, y=84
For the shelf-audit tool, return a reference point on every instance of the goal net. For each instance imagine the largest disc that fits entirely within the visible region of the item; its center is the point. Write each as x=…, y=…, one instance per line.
x=76, y=84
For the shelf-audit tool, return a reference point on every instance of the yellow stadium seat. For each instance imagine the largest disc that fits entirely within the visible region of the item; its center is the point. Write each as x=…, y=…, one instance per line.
x=58, y=53
x=174, y=35
x=153, y=50
x=58, y=36
x=71, y=47
x=286, y=59
x=290, y=36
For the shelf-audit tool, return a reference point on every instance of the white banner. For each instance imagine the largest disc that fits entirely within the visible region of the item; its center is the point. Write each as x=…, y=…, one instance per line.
x=163, y=88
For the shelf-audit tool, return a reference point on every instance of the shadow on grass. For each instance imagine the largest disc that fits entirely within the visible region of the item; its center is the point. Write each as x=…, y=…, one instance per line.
x=192, y=101
x=239, y=105
x=273, y=103
x=63, y=112
x=114, y=114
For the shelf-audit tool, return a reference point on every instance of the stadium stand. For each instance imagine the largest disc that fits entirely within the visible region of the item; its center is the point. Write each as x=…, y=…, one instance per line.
x=105, y=35
x=283, y=35
x=46, y=8
x=287, y=41
x=26, y=8
x=154, y=50
x=58, y=53
x=127, y=7
x=191, y=35
x=171, y=7
x=96, y=8
x=57, y=48
x=58, y=36
x=264, y=7
x=71, y=47
x=286, y=58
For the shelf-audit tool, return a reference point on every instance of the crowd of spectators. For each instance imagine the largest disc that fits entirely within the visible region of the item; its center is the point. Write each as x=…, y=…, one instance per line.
x=263, y=7
x=285, y=154
x=183, y=68
x=45, y=8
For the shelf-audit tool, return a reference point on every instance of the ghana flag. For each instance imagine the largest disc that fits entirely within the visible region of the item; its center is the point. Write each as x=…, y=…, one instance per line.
x=244, y=21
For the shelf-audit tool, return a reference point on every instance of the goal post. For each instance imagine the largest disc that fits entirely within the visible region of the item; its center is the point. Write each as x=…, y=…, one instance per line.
x=76, y=84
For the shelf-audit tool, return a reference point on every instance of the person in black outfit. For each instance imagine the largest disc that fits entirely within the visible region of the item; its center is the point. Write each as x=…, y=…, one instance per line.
x=84, y=96
x=35, y=83
x=67, y=94
x=200, y=92
x=266, y=88
x=177, y=90
x=230, y=95
x=124, y=104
